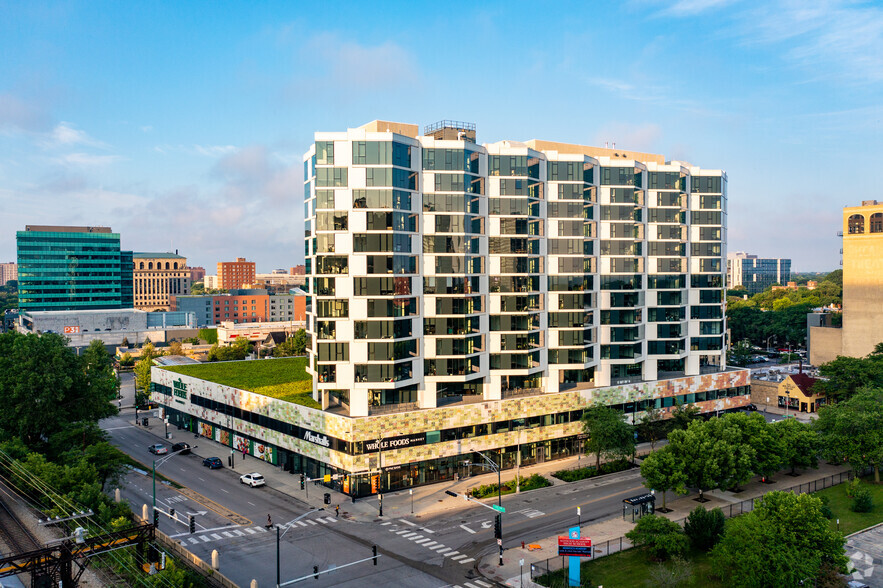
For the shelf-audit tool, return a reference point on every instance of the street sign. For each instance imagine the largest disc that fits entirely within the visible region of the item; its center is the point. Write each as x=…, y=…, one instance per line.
x=498, y=508
x=574, y=547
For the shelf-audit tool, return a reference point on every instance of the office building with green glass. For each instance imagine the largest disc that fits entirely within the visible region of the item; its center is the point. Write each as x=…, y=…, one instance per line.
x=72, y=268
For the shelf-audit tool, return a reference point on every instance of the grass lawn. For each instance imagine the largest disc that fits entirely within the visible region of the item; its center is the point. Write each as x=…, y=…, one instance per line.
x=285, y=379
x=839, y=503
x=631, y=568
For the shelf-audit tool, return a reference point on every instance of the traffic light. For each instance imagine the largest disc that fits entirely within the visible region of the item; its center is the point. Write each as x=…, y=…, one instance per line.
x=498, y=527
x=172, y=512
x=374, y=551
x=316, y=572
x=156, y=518
x=303, y=481
x=192, y=524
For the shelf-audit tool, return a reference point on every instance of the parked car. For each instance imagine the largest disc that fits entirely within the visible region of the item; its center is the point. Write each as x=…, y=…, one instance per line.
x=184, y=448
x=158, y=449
x=751, y=407
x=213, y=463
x=857, y=584
x=253, y=479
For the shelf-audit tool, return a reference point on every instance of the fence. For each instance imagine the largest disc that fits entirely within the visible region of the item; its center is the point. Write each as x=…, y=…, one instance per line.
x=618, y=544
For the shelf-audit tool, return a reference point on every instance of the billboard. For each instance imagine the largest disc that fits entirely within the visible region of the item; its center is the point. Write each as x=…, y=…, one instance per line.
x=574, y=547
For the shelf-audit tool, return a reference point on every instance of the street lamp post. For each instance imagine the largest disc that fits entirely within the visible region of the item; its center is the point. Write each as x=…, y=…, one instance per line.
x=287, y=526
x=380, y=475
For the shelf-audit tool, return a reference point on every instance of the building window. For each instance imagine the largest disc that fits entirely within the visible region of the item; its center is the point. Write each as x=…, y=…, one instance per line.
x=856, y=224
x=877, y=222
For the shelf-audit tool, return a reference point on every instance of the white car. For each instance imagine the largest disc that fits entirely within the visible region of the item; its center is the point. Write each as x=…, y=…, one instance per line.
x=253, y=479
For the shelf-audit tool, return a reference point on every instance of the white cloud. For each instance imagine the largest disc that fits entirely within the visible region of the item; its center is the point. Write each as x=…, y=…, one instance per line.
x=88, y=159
x=64, y=134
x=204, y=150
x=686, y=8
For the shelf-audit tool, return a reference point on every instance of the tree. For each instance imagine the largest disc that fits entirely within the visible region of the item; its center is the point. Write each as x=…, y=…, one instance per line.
x=704, y=527
x=127, y=359
x=662, y=471
x=176, y=348
x=125, y=342
x=852, y=431
x=660, y=537
x=767, y=446
x=782, y=542
x=652, y=426
x=844, y=376
x=608, y=433
x=682, y=415
x=238, y=351
x=210, y=336
x=44, y=386
x=733, y=455
x=741, y=353
x=142, y=372
x=98, y=369
x=294, y=345
x=799, y=444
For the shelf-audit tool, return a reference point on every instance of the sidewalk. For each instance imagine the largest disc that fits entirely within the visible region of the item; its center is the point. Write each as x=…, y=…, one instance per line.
x=427, y=500
x=615, y=527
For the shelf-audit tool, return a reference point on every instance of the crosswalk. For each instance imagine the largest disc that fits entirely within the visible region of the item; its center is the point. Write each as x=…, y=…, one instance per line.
x=218, y=535
x=530, y=512
x=423, y=541
x=473, y=584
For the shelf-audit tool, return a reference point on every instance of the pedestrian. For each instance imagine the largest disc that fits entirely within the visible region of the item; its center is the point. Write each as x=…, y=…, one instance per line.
x=337, y=511
x=243, y=452
x=269, y=521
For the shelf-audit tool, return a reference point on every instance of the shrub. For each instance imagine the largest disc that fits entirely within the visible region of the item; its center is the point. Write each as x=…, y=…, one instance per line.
x=590, y=471
x=862, y=500
x=826, y=510
x=532, y=483
x=660, y=537
x=704, y=527
x=678, y=572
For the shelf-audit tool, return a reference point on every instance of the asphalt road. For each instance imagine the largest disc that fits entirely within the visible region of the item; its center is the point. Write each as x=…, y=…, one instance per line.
x=430, y=551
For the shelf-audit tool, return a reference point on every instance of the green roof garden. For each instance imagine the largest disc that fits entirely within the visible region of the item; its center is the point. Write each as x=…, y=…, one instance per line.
x=284, y=379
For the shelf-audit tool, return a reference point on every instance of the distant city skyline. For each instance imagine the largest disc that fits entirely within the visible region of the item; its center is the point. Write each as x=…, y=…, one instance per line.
x=181, y=125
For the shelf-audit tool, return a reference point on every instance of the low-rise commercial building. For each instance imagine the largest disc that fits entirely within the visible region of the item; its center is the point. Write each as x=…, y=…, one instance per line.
x=110, y=327
x=756, y=274
x=395, y=450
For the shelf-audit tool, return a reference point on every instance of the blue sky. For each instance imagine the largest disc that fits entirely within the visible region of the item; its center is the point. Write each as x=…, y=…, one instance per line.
x=182, y=124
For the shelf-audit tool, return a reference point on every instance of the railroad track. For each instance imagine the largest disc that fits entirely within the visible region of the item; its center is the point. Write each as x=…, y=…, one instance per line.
x=14, y=535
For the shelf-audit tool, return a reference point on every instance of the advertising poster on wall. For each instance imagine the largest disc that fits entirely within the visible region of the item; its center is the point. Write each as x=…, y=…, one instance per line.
x=224, y=438
x=205, y=430
x=264, y=452
x=241, y=444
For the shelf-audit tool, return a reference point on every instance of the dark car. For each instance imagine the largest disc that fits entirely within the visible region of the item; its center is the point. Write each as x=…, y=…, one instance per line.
x=184, y=448
x=749, y=407
x=213, y=463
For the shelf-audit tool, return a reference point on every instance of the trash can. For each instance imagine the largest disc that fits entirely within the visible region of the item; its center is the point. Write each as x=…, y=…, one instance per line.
x=144, y=421
x=327, y=498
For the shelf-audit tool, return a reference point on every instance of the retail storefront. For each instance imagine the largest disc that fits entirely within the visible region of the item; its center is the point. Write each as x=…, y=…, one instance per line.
x=400, y=450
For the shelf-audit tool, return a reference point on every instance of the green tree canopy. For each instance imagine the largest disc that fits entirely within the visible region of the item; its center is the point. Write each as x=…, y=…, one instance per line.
x=660, y=537
x=608, y=433
x=142, y=372
x=44, y=386
x=662, y=471
x=294, y=345
x=799, y=443
x=846, y=375
x=785, y=540
x=852, y=430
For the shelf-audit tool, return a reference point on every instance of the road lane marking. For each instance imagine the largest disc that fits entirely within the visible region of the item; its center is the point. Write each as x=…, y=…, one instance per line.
x=466, y=561
x=429, y=545
x=402, y=532
x=407, y=522
x=461, y=556
x=222, y=490
x=419, y=541
x=465, y=528
x=443, y=550
x=311, y=521
x=251, y=503
x=415, y=537
x=250, y=531
x=384, y=524
x=301, y=523
x=204, y=538
x=427, y=530
x=450, y=553
x=216, y=536
x=485, y=584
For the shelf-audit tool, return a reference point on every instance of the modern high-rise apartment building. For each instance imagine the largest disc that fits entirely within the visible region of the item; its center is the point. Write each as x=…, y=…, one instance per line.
x=465, y=298
x=756, y=274
x=8, y=272
x=72, y=268
x=157, y=277
x=862, y=327
x=443, y=269
x=235, y=274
